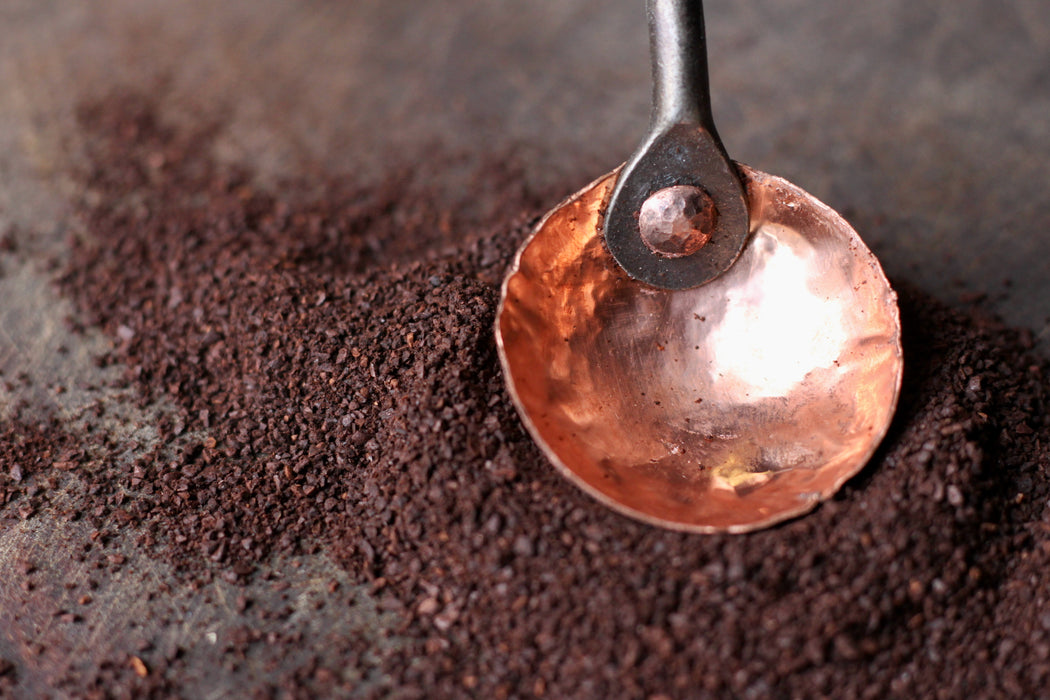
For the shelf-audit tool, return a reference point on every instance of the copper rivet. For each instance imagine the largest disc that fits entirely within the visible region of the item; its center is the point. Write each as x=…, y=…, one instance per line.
x=677, y=221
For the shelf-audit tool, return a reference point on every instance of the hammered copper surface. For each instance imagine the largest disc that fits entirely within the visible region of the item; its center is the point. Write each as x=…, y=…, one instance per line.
x=677, y=221
x=727, y=407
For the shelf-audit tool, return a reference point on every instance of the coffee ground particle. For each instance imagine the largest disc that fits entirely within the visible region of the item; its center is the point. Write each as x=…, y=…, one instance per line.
x=8, y=676
x=330, y=361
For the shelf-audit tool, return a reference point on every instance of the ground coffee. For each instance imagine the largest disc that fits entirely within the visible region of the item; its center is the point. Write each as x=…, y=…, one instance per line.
x=329, y=356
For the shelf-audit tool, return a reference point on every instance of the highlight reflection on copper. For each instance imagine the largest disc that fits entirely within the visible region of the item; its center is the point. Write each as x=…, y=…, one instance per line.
x=727, y=407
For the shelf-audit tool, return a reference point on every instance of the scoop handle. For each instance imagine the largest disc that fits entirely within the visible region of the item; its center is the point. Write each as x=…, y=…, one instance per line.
x=681, y=150
x=678, y=51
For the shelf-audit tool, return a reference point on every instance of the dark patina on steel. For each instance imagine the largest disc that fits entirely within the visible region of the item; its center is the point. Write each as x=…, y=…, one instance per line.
x=682, y=148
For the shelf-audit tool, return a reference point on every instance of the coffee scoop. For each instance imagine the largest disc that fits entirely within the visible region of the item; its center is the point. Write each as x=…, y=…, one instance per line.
x=695, y=343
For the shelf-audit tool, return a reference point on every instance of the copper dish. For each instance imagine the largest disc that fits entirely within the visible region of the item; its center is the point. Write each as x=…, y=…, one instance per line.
x=726, y=376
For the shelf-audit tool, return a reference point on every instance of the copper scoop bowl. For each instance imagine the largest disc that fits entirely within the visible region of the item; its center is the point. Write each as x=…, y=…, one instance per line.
x=722, y=364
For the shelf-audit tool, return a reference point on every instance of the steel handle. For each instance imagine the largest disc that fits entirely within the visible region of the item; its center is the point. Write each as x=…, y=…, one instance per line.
x=678, y=50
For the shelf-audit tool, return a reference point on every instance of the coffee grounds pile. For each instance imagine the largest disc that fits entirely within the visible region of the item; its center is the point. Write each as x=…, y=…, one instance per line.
x=33, y=455
x=324, y=360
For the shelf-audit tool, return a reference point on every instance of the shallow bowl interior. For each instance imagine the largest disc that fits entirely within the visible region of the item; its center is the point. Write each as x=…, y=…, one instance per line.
x=722, y=408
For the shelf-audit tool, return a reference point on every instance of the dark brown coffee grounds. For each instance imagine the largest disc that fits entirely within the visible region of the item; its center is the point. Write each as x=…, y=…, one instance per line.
x=34, y=456
x=329, y=357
